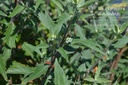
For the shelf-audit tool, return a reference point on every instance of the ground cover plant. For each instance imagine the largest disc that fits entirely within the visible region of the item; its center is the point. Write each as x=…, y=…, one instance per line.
x=63, y=42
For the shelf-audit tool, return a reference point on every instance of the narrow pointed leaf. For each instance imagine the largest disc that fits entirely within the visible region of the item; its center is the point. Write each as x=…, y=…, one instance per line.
x=28, y=48
x=62, y=19
x=38, y=2
x=17, y=10
x=121, y=42
x=9, y=32
x=46, y=21
x=102, y=80
x=124, y=26
x=90, y=79
x=38, y=71
x=80, y=32
x=3, y=69
x=58, y=4
x=86, y=3
x=63, y=53
x=2, y=14
x=18, y=68
x=89, y=43
x=9, y=41
x=60, y=77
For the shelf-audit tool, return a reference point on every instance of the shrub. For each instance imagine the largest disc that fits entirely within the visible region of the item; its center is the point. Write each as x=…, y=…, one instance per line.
x=62, y=42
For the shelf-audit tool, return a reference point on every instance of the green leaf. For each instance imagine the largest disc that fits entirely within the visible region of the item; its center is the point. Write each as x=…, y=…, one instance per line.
x=58, y=4
x=38, y=2
x=102, y=21
x=112, y=21
x=82, y=67
x=9, y=32
x=83, y=16
x=39, y=47
x=9, y=41
x=90, y=27
x=124, y=26
x=87, y=54
x=89, y=43
x=121, y=42
x=60, y=77
x=47, y=21
x=63, y=53
x=6, y=53
x=38, y=71
x=18, y=68
x=17, y=10
x=3, y=69
x=3, y=14
x=28, y=48
x=86, y=3
x=102, y=80
x=90, y=79
x=80, y=32
x=62, y=19
x=98, y=71
x=74, y=57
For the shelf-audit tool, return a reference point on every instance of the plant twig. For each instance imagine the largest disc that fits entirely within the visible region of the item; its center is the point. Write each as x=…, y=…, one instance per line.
x=56, y=54
x=93, y=66
x=116, y=61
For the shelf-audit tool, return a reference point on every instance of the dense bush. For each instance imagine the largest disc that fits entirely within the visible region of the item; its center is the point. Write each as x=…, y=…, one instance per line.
x=63, y=42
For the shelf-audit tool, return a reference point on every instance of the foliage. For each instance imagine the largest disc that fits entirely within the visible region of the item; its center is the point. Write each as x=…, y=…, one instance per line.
x=62, y=42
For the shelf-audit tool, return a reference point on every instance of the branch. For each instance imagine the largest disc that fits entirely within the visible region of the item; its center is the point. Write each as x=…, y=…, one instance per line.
x=116, y=61
x=55, y=55
x=93, y=66
x=50, y=69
